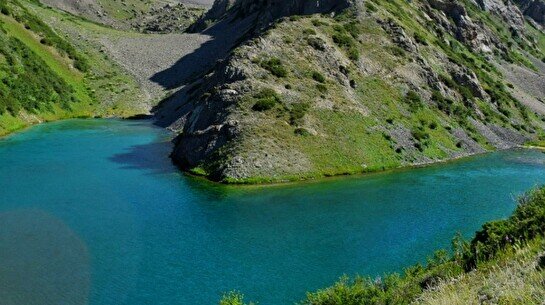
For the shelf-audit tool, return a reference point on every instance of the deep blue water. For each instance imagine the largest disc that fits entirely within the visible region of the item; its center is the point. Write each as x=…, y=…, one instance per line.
x=93, y=212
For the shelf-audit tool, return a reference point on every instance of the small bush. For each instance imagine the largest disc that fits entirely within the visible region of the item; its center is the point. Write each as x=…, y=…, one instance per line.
x=370, y=7
x=447, y=80
x=275, y=66
x=266, y=100
x=419, y=38
x=397, y=51
x=353, y=28
x=233, y=298
x=302, y=132
x=317, y=43
x=322, y=88
x=343, y=40
x=317, y=76
x=443, y=104
x=317, y=22
x=45, y=41
x=5, y=10
x=413, y=100
x=309, y=32
x=420, y=135
x=354, y=53
x=298, y=112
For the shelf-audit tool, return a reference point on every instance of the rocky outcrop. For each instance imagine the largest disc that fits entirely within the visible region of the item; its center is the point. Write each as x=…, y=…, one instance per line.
x=464, y=28
x=507, y=10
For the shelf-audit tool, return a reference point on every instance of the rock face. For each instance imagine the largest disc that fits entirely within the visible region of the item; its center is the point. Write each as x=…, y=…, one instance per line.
x=507, y=10
x=534, y=9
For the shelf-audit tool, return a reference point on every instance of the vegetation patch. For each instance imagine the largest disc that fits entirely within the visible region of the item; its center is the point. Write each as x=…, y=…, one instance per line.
x=275, y=66
x=266, y=99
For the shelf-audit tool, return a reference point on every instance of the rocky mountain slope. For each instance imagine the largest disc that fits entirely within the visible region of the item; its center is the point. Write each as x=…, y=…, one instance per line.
x=321, y=88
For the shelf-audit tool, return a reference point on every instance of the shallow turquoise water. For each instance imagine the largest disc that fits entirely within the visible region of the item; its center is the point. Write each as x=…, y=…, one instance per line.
x=93, y=212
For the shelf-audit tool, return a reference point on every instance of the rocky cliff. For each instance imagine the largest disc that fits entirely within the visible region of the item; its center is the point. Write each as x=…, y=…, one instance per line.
x=368, y=86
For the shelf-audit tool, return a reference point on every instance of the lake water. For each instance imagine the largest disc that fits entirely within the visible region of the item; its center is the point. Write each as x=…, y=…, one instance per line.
x=93, y=212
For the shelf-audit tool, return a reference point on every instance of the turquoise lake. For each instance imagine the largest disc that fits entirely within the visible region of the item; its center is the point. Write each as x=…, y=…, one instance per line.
x=93, y=212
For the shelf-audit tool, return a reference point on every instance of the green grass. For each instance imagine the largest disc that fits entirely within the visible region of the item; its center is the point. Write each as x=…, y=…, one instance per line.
x=104, y=89
x=60, y=65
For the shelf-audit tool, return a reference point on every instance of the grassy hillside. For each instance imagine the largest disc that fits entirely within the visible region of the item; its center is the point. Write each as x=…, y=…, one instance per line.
x=388, y=84
x=45, y=77
x=503, y=264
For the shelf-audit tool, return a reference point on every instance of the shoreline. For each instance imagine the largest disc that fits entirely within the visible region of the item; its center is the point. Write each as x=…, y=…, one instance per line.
x=318, y=179
x=270, y=182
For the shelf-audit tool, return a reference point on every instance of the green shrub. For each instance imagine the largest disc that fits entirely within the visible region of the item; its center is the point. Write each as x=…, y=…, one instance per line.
x=4, y=9
x=266, y=100
x=233, y=298
x=354, y=53
x=370, y=7
x=309, y=32
x=466, y=92
x=420, y=135
x=353, y=28
x=295, y=18
x=275, y=66
x=317, y=43
x=397, y=51
x=41, y=87
x=298, y=112
x=317, y=22
x=447, y=80
x=419, y=38
x=343, y=40
x=302, y=132
x=413, y=100
x=317, y=76
x=443, y=104
x=322, y=88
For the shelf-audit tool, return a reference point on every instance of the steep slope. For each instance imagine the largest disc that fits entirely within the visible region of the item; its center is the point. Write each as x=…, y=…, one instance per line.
x=380, y=85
